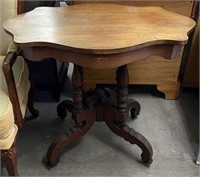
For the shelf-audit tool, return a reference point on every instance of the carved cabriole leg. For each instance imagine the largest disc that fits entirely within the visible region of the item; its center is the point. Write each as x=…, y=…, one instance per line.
x=9, y=159
x=84, y=119
x=115, y=118
x=100, y=105
x=130, y=135
x=72, y=135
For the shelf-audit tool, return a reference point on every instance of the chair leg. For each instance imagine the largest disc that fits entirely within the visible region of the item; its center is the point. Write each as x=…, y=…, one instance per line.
x=33, y=111
x=2, y=167
x=9, y=159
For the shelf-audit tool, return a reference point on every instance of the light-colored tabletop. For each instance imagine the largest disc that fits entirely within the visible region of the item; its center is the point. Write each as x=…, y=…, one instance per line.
x=99, y=28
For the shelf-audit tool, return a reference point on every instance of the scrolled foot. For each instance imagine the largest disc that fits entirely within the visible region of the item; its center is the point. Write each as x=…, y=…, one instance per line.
x=52, y=158
x=63, y=107
x=147, y=161
x=133, y=137
x=72, y=135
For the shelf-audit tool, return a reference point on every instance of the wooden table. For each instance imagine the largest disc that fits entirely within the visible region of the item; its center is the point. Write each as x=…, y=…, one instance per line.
x=99, y=36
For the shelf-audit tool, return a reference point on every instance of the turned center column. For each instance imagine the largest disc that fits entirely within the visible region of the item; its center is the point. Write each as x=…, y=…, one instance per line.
x=122, y=79
x=77, y=84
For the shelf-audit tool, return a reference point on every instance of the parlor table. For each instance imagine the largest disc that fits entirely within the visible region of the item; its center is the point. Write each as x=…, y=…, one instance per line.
x=99, y=36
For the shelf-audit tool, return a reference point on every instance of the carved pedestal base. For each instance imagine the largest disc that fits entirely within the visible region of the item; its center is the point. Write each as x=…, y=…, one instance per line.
x=99, y=105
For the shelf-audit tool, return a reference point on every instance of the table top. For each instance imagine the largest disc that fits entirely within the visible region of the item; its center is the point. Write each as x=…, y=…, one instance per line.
x=99, y=28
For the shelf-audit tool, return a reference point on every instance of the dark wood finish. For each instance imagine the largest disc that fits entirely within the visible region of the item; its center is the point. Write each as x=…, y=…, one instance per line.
x=97, y=61
x=100, y=105
x=20, y=7
x=9, y=158
x=132, y=137
x=122, y=85
x=12, y=91
x=77, y=84
x=63, y=107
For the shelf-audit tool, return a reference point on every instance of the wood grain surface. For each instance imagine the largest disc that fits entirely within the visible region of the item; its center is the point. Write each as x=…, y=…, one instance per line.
x=99, y=28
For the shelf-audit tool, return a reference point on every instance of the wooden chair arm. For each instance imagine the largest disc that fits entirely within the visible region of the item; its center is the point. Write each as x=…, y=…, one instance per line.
x=12, y=90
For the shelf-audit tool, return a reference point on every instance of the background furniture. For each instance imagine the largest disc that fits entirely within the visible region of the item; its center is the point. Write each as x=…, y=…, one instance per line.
x=165, y=74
